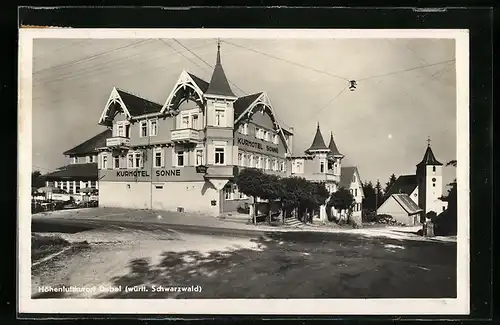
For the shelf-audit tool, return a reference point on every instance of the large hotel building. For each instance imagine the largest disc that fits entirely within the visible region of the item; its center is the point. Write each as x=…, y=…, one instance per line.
x=184, y=154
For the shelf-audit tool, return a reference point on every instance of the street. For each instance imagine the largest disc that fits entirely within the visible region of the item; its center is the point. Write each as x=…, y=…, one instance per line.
x=236, y=263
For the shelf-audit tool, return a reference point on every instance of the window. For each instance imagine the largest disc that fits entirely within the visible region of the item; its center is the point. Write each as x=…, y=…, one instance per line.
x=241, y=128
x=259, y=133
x=245, y=128
x=266, y=135
x=250, y=161
x=194, y=121
x=180, y=158
x=199, y=157
x=261, y=162
x=137, y=160
x=240, y=159
x=134, y=160
x=130, y=160
x=433, y=184
x=282, y=166
x=104, y=161
x=153, y=128
x=74, y=160
x=354, y=178
x=244, y=160
x=219, y=117
x=242, y=195
x=276, y=139
x=273, y=165
x=322, y=167
x=121, y=130
x=229, y=192
x=219, y=156
x=143, y=129
x=116, y=162
x=434, y=168
x=185, y=122
x=158, y=158
x=355, y=192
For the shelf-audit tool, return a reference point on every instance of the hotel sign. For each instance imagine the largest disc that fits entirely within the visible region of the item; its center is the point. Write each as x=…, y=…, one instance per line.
x=265, y=147
x=168, y=174
x=145, y=173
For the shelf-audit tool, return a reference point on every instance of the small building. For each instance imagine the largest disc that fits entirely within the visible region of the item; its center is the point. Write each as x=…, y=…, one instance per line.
x=81, y=170
x=350, y=180
x=402, y=208
x=424, y=188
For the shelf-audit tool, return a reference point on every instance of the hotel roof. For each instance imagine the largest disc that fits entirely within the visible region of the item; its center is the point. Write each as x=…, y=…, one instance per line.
x=137, y=105
x=90, y=145
x=75, y=172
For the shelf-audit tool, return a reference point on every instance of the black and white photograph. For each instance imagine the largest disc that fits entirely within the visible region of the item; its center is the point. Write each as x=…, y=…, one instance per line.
x=244, y=171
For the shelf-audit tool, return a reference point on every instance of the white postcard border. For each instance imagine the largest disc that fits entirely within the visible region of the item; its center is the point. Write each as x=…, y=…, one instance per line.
x=458, y=306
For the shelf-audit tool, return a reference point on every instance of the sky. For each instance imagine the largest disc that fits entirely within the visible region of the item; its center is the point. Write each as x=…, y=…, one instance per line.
x=405, y=91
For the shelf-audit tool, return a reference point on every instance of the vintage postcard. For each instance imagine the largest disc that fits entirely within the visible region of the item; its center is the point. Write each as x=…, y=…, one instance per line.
x=208, y=171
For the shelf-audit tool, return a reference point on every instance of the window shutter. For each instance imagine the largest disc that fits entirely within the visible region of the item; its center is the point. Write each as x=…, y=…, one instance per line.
x=162, y=157
x=99, y=157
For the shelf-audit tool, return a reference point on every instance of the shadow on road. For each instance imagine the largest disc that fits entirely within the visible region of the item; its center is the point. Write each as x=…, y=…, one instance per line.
x=58, y=226
x=295, y=265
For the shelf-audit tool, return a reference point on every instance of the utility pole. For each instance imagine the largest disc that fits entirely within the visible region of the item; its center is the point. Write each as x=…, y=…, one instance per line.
x=376, y=198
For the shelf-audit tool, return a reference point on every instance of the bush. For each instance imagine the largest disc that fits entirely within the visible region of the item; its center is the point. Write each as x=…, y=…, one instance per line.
x=368, y=215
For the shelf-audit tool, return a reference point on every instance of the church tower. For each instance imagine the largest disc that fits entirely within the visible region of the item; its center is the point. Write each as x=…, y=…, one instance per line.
x=430, y=183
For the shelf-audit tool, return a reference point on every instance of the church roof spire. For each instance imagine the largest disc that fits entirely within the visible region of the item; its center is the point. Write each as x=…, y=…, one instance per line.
x=318, y=143
x=219, y=84
x=333, y=147
x=429, y=158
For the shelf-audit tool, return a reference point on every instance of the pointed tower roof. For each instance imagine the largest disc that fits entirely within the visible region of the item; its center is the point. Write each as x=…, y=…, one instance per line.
x=219, y=84
x=318, y=142
x=429, y=158
x=333, y=147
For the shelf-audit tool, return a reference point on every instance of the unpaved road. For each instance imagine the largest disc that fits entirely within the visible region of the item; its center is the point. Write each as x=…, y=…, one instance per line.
x=139, y=254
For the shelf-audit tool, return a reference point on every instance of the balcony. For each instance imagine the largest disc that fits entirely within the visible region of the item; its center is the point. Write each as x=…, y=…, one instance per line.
x=184, y=136
x=118, y=142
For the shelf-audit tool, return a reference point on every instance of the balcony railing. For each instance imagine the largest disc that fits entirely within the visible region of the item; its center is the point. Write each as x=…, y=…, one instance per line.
x=118, y=142
x=184, y=135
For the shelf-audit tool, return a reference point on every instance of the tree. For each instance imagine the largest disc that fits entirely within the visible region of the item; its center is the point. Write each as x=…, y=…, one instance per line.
x=250, y=181
x=271, y=190
x=342, y=200
x=369, y=201
x=316, y=196
x=292, y=188
x=390, y=182
x=379, y=194
x=37, y=179
x=446, y=222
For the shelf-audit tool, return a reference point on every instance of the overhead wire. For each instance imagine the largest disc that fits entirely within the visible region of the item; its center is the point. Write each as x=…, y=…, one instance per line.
x=97, y=70
x=288, y=61
x=65, y=65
